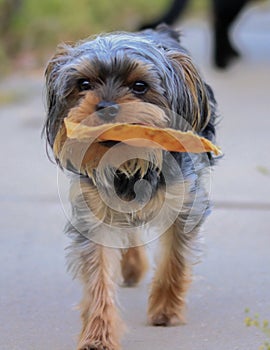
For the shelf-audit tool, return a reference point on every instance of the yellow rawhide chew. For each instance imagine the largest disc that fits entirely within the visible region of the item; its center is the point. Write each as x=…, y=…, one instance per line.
x=142, y=136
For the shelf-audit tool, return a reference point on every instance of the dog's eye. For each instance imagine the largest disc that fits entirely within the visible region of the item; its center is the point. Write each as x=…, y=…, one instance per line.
x=139, y=87
x=85, y=84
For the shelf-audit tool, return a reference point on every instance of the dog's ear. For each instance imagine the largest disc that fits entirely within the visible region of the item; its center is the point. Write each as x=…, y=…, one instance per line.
x=59, y=58
x=168, y=32
x=52, y=70
x=193, y=99
x=51, y=74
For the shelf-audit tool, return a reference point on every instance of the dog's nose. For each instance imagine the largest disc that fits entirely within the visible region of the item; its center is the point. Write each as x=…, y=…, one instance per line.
x=107, y=110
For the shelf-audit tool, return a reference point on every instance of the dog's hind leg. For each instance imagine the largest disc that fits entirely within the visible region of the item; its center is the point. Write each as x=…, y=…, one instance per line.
x=134, y=265
x=170, y=282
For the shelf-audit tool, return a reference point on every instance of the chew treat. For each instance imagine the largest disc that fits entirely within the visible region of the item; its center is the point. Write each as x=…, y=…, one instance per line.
x=79, y=148
x=142, y=136
x=77, y=156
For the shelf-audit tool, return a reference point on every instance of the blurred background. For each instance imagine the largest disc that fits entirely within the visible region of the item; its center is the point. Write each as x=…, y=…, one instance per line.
x=30, y=29
x=36, y=294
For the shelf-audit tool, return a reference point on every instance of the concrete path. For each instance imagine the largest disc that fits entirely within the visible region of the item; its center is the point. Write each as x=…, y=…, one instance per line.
x=37, y=296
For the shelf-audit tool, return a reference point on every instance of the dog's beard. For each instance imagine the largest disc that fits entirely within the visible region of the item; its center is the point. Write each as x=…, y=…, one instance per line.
x=125, y=189
x=100, y=160
x=137, y=162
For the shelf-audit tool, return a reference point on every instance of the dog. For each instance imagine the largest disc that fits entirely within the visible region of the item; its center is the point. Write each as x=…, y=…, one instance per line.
x=139, y=78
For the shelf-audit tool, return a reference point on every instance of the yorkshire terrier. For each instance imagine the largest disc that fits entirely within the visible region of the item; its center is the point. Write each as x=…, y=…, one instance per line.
x=139, y=78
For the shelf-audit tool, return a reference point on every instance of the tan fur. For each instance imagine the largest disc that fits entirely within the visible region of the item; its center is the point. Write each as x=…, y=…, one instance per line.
x=102, y=326
x=170, y=283
x=92, y=200
x=134, y=265
x=195, y=86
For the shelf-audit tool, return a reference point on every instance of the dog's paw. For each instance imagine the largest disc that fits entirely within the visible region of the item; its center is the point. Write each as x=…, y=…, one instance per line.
x=93, y=347
x=165, y=320
x=90, y=343
x=161, y=320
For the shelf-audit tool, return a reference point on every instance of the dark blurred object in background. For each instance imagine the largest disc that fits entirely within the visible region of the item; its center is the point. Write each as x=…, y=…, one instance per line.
x=224, y=14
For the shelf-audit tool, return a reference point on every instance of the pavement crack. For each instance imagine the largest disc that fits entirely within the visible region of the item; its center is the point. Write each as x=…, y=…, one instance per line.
x=231, y=205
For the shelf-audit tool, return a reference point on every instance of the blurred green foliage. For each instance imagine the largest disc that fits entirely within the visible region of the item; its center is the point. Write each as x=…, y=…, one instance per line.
x=31, y=29
x=263, y=326
x=39, y=25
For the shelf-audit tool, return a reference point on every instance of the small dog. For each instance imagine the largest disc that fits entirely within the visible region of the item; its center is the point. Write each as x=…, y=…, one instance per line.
x=140, y=78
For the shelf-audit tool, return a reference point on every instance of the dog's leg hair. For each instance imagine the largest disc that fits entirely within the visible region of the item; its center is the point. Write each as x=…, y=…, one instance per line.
x=96, y=266
x=134, y=265
x=170, y=282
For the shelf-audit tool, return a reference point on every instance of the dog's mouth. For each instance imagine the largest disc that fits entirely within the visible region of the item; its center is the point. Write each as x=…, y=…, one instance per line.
x=143, y=124
x=111, y=143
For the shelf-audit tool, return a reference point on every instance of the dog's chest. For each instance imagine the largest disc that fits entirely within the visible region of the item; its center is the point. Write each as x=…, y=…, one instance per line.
x=140, y=189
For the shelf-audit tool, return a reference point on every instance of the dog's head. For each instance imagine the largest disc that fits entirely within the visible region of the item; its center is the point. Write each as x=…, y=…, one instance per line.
x=140, y=78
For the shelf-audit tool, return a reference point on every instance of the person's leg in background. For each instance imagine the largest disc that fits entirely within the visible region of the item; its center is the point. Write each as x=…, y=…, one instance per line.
x=224, y=14
x=170, y=16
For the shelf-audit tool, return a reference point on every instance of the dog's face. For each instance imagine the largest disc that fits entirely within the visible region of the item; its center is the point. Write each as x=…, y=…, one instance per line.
x=143, y=78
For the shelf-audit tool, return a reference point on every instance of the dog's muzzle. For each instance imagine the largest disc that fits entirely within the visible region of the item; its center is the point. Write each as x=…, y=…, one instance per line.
x=107, y=110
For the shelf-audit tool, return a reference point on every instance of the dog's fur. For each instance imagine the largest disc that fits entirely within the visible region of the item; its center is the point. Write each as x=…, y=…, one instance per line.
x=105, y=68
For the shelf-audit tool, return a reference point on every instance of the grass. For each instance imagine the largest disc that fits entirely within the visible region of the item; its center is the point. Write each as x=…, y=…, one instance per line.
x=263, y=326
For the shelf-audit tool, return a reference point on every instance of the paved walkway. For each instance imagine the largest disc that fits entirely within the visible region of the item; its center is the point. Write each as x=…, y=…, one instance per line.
x=38, y=298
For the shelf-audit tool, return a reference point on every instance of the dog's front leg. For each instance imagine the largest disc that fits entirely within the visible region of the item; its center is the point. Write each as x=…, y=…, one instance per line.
x=170, y=282
x=101, y=325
